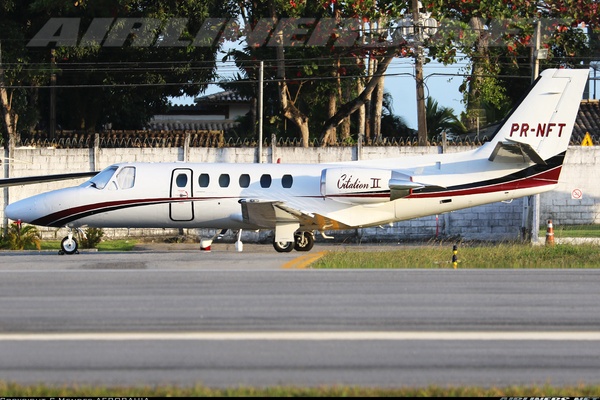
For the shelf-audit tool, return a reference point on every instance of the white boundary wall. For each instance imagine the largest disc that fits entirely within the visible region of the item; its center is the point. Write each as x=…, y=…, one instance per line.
x=498, y=221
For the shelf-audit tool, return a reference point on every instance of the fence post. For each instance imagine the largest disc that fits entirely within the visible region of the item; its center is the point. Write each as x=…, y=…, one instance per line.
x=444, y=142
x=359, y=145
x=273, y=148
x=186, y=146
x=96, y=152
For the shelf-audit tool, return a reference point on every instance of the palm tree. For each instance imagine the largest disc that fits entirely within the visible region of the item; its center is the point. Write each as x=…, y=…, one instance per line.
x=20, y=237
x=393, y=125
x=442, y=119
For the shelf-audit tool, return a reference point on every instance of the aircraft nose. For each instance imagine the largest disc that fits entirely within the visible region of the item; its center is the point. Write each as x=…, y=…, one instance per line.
x=23, y=210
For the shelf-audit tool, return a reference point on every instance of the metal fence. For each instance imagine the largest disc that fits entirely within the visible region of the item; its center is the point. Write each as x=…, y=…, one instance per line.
x=217, y=139
x=127, y=139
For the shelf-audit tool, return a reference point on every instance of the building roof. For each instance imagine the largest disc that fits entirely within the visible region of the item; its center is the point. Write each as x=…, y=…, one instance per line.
x=226, y=97
x=588, y=120
x=221, y=125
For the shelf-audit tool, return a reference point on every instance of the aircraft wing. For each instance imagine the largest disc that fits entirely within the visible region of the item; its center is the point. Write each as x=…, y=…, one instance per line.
x=27, y=180
x=285, y=218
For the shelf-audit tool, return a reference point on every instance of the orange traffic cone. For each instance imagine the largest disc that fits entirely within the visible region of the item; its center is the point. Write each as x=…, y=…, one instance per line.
x=550, y=234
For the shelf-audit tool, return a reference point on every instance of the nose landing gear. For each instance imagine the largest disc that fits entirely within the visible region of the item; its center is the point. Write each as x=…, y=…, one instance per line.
x=68, y=245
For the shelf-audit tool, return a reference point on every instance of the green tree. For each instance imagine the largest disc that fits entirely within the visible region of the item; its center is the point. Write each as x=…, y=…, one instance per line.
x=393, y=125
x=496, y=37
x=104, y=80
x=320, y=85
x=441, y=119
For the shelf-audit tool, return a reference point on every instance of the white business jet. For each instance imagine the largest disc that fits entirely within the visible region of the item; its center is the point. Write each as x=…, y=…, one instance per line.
x=296, y=200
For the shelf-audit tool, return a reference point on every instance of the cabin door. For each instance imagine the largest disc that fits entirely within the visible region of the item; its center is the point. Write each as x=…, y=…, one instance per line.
x=181, y=189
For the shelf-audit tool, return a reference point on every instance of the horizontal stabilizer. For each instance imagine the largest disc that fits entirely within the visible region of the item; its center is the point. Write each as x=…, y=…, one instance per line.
x=513, y=152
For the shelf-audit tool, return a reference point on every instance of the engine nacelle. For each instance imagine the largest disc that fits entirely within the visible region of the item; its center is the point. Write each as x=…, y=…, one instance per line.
x=356, y=185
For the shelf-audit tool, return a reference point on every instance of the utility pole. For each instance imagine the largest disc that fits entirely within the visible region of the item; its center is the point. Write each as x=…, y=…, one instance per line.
x=52, y=119
x=261, y=70
x=531, y=208
x=418, y=39
x=7, y=152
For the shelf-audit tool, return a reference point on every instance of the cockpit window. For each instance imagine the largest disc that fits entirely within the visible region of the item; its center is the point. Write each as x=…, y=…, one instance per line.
x=101, y=180
x=126, y=178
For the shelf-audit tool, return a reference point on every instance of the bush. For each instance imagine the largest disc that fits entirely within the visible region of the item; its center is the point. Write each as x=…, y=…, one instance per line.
x=93, y=236
x=20, y=237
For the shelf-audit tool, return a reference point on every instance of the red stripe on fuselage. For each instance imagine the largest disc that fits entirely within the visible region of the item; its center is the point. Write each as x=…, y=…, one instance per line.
x=545, y=178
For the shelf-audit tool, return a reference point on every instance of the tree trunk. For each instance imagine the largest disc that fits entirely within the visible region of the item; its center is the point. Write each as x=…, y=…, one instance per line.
x=377, y=104
x=290, y=111
x=331, y=134
x=9, y=116
x=347, y=109
x=343, y=95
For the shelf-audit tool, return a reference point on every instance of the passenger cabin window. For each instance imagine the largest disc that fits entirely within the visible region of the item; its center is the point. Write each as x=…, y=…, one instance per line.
x=244, y=180
x=126, y=178
x=287, y=181
x=224, y=180
x=265, y=181
x=181, y=180
x=204, y=180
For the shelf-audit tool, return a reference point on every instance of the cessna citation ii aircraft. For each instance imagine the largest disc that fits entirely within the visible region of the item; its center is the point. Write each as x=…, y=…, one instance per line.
x=296, y=200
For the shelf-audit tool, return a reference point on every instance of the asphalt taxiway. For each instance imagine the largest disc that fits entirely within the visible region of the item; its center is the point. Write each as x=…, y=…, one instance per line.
x=178, y=316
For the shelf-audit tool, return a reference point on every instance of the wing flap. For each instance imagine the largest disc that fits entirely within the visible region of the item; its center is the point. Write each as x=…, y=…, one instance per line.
x=270, y=214
x=284, y=218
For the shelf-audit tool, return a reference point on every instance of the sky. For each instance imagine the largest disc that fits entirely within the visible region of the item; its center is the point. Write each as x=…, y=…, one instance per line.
x=438, y=84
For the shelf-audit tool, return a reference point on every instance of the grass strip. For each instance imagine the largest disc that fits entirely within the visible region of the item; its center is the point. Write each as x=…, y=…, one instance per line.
x=9, y=390
x=581, y=231
x=496, y=256
x=108, y=245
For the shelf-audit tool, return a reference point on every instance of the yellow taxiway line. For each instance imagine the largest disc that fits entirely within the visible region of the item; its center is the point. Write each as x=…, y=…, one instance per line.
x=303, y=261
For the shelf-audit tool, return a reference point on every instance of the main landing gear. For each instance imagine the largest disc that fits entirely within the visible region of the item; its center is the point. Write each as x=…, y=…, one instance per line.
x=68, y=245
x=303, y=241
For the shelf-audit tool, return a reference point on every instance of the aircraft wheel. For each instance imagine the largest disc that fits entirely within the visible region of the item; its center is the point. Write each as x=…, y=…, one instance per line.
x=68, y=246
x=304, y=241
x=283, y=247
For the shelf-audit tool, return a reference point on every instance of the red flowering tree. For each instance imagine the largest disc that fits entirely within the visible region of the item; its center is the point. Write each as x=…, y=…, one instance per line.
x=496, y=38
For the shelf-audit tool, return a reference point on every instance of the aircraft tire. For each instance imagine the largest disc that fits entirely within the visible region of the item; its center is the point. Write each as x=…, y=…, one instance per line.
x=283, y=247
x=304, y=241
x=69, y=246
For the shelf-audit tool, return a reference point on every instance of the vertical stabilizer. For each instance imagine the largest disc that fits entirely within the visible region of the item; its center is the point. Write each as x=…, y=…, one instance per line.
x=540, y=127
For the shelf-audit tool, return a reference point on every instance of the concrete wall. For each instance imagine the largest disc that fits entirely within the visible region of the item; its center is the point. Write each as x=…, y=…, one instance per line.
x=498, y=221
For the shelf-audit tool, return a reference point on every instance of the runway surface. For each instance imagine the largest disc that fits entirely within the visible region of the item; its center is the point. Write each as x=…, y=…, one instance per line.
x=226, y=319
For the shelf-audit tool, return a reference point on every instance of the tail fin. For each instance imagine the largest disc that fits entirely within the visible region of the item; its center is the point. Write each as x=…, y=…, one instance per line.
x=540, y=127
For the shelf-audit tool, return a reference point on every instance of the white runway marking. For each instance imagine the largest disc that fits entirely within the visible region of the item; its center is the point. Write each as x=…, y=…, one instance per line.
x=302, y=336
